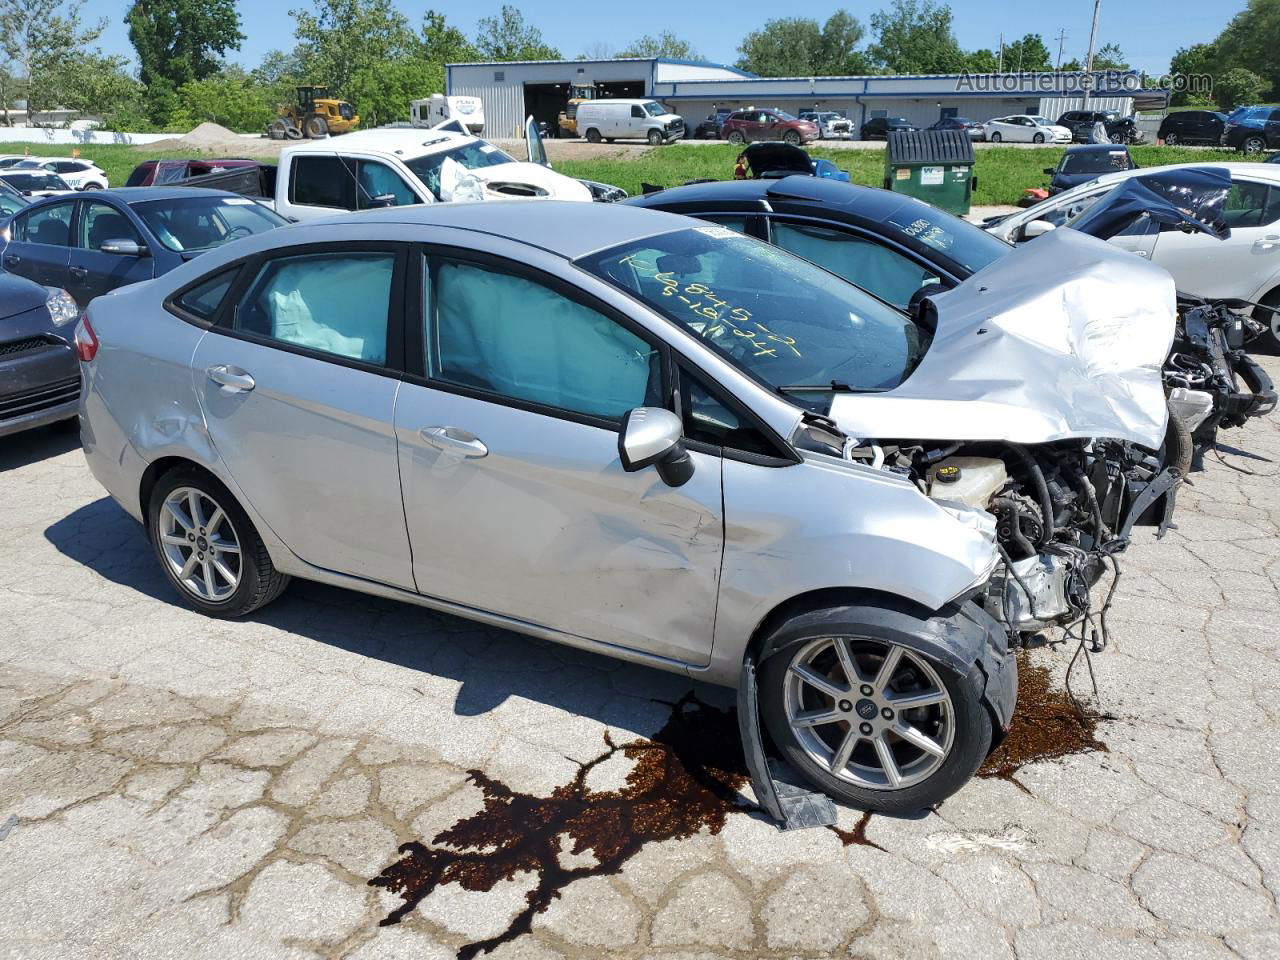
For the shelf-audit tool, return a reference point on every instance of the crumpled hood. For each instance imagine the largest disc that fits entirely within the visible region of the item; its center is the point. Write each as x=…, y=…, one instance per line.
x=556, y=185
x=1064, y=337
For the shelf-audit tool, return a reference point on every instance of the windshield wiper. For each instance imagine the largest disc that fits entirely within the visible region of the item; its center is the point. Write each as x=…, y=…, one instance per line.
x=832, y=386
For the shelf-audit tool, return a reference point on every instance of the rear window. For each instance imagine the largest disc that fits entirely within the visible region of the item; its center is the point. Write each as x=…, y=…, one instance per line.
x=204, y=298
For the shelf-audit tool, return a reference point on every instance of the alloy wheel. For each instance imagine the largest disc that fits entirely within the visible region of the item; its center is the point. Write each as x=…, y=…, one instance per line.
x=200, y=545
x=872, y=713
x=1254, y=145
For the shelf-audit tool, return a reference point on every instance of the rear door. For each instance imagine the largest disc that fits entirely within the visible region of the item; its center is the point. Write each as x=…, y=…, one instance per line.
x=92, y=272
x=39, y=247
x=297, y=383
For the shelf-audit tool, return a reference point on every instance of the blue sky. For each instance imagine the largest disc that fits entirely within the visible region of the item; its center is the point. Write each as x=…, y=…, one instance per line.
x=1148, y=31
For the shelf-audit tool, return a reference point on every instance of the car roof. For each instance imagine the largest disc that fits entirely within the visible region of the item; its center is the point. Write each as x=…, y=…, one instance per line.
x=566, y=228
x=868, y=203
x=400, y=141
x=1100, y=148
x=131, y=195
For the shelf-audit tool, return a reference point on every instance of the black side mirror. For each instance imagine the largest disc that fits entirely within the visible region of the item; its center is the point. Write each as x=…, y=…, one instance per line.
x=652, y=436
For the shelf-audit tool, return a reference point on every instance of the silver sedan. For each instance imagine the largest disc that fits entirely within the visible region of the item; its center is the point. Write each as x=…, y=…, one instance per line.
x=582, y=422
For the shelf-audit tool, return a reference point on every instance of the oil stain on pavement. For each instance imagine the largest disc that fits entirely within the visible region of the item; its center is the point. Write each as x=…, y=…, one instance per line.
x=688, y=777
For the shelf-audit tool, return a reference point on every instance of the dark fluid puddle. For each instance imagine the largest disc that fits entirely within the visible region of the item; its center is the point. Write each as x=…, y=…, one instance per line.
x=1046, y=725
x=685, y=778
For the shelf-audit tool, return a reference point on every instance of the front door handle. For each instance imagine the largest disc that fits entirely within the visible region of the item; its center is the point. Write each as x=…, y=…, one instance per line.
x=12, y=259
x=233, y=380
x=79, y=272
x=454, y=440
x=1266, y=243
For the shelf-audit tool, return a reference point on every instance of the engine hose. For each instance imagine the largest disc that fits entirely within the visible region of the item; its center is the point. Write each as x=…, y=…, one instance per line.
x=1049, y=527
x=1086, y=491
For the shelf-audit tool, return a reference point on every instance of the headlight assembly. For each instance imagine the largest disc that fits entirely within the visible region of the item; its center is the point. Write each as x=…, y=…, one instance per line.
x=62, y=307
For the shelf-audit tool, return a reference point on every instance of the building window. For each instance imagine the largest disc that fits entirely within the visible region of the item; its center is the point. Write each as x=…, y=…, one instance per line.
x=499, y=76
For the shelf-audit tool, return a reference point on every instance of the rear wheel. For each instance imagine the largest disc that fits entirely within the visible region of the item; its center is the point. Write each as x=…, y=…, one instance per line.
x=736, y=137
x=208, y=547
x=995, y=138
x=1179, y=448
x=869, y=720
x=593, y=135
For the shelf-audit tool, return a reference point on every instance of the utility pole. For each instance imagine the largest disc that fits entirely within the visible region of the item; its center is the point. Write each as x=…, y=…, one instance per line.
x=1062, y=36
x=1093, y=35
x=1000, y=68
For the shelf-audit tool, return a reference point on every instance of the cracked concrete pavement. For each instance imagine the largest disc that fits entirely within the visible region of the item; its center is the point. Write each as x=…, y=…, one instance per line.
x=174, y=786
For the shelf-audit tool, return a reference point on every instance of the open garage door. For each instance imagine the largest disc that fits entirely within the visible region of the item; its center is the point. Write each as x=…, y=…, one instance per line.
x=544, y=101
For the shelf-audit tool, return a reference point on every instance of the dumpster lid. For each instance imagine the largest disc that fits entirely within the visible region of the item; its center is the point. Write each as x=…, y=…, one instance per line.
x=930, y=146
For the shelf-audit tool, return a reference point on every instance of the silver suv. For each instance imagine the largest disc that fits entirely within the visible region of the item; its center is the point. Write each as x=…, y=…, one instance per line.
x=594, y=424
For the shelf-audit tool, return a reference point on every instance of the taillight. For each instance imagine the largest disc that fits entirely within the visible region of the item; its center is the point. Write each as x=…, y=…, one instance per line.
x=86, y=340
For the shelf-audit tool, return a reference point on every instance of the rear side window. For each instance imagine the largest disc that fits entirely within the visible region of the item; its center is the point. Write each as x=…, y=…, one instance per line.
x=204, y=298
x=48, y=225
x=337, y=303
x=321, y=181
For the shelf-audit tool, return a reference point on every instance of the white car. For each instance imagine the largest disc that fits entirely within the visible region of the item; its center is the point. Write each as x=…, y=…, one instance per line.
x=1245, y=266
x=1024, y=129
x=35, y=182
x=80, y=174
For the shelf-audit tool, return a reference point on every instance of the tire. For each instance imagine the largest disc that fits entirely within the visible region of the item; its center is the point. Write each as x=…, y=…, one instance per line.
x=1253, y=145
x=1038, y=138
x=91, y=185
x=317, y=128
x=1170, y=139
x=996, y=138
x=277, y=130
x=1269, y=338
x=1178, y=449
x=292, y=133
x=736, y=137
x=869, y=634
x=216, y=584
x=654, y=137
x=792, y=138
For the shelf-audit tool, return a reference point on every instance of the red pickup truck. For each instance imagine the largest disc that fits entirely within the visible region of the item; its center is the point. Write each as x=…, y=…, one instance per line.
x=154, y=173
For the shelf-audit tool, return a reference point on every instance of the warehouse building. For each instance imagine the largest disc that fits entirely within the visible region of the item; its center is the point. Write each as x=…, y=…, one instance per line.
x=513, y=91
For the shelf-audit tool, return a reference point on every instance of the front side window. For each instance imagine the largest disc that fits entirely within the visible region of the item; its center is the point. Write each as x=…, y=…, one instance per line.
x=653, y=109
x=100, y=223
x=379, y=185
x=337, y=303
x=872, y=266
x=200, y=223
x=710, y=419
x=321, y=181
x=49, y=225
x=514, y=337
x=636, y=111
x=780, y=319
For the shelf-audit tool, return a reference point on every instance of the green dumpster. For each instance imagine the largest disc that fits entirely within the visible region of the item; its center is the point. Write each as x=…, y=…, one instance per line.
x=935, y=166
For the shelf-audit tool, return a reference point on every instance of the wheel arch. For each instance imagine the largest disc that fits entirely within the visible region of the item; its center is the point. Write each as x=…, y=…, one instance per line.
x=157, y=469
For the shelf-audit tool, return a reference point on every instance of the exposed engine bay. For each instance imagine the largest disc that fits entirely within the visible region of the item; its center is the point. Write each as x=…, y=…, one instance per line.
x=1212, y=382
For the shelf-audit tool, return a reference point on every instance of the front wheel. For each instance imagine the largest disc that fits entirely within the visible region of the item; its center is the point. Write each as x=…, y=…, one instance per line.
x=736, y=137
x=654, y=137
x=996, y=138
x=1268, y=314
x=1254, y=145
x=208, y=547
x=792, y=138
x=1170, y=139
x=1038, y=138
x=870, y=721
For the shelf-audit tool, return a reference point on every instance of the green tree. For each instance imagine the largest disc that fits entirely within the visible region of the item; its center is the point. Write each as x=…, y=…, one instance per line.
x=1110, y=57
x=384, y=90
x=232, y=98
x=798, y=46
x=1197, y=60
x=915, y=36
x=40, y=38
x=93, y=84
x=442, y=43
x=341, y=39
x=1251, y=41
x=508, y=37
x=1239, y=87
x=665, y=44
x=1028, y=54
x=178, y=41
x=982, y=61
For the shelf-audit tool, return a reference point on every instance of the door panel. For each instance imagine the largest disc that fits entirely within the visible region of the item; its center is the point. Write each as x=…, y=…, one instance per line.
x=548, y=528
x=40, y=248
x=91, y=272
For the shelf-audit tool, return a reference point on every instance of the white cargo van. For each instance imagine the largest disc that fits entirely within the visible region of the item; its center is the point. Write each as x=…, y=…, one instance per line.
x=628, y=120
x=438, y=108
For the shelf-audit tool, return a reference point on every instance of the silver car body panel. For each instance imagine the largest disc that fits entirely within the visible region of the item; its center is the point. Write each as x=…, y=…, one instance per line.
x=1061, y=338
x=574, y=549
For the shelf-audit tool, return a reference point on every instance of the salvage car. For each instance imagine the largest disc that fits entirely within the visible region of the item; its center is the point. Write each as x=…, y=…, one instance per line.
x=712, y=127
x=971, y=127
x=1024, y=129
x=1118, y=128
x=39, y=376
x=748, y=126
x=1244, y=267
x=831, y=125
x=89, y=245
x=35, y=183
x=544, y=416
x=160, y=172
x=1086, y=162
x=879, y=128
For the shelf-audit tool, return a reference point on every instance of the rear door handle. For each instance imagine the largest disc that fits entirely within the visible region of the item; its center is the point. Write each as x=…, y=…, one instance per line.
x=454, y=440
x=1266, y=243
x=79, y=272
x=233, y=380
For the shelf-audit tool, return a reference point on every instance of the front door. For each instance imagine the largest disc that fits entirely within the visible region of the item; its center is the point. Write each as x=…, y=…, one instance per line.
x=39, y=246
x=515, y=498
x=298, y=385
x=91, y=272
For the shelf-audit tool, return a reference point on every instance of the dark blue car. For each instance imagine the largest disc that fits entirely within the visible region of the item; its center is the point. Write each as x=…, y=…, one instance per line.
x=1088, y=162
x=88, y=244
